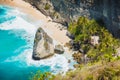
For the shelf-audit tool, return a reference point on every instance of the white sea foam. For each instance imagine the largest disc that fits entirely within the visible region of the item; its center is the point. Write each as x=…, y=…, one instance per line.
x=18, y=23
x=21, y=21
x=57, y=63
x=21, y=27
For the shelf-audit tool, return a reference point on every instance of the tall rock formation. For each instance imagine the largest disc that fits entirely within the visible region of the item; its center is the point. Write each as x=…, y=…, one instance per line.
x=43, y=45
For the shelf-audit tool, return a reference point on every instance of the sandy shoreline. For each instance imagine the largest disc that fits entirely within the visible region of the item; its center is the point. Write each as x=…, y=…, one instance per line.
x=49, y=26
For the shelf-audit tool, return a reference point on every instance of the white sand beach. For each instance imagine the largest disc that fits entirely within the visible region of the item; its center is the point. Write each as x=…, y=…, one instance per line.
x=49, y=26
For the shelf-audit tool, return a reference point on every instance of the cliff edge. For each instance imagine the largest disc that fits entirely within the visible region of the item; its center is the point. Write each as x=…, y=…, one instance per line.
x=64, y=11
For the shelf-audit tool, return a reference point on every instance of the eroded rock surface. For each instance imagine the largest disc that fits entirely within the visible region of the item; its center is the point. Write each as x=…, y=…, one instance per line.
x=63, y=11
x=43, y=45
x=59, y=49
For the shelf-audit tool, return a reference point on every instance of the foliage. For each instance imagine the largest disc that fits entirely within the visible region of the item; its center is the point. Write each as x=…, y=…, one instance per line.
x=103, y=65
x=47, y=6
x=109, y=74
x=83, y=29
x=109, y=71
x=41, y=76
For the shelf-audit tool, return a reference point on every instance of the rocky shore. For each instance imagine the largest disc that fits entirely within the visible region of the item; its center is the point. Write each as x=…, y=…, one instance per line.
x=44, y=46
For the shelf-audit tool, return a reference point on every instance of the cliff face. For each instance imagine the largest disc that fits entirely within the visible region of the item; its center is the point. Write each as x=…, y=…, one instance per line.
x=107, y=11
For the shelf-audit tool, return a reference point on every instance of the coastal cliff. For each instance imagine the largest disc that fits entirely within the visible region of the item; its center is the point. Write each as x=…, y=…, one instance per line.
x=95, y=50
x=106, y=12
x=64, y=11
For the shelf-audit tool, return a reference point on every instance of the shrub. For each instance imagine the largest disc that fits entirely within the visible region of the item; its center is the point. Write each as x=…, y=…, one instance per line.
x=47, y=6
x=84, y=28
x=41, y=76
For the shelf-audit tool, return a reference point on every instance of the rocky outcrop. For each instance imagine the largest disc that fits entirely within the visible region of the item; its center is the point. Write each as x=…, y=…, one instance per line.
x=47, y=8
x=43, y=45
x=59, y=49
x=107, y=11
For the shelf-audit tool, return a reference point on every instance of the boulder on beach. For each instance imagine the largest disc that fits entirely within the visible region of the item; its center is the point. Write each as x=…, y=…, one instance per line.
x=43, y=45
x=59, y=49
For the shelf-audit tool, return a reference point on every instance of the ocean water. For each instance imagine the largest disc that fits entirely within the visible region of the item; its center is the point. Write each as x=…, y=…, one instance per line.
x=16, y=45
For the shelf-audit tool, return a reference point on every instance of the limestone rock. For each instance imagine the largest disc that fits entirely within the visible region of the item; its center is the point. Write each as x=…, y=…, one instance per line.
x=59, y=49
x=94, y=40
x=43, y=45
x=104, y=11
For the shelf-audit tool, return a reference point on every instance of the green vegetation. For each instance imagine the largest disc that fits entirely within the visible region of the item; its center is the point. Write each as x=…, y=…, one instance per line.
x=98, y=71
x=47, y=6
x=104, y=64
x=83, y=29
x=41, y=76
x=55, y=14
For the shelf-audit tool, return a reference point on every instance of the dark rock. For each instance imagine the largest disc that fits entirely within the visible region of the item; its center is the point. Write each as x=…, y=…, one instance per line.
x=71, y=36
x=59, y=49
x=75, y=45
x=69, y=61
x=43, y=45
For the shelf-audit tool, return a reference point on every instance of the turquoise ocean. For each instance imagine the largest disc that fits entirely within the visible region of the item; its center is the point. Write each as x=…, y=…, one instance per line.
x=17, y=34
